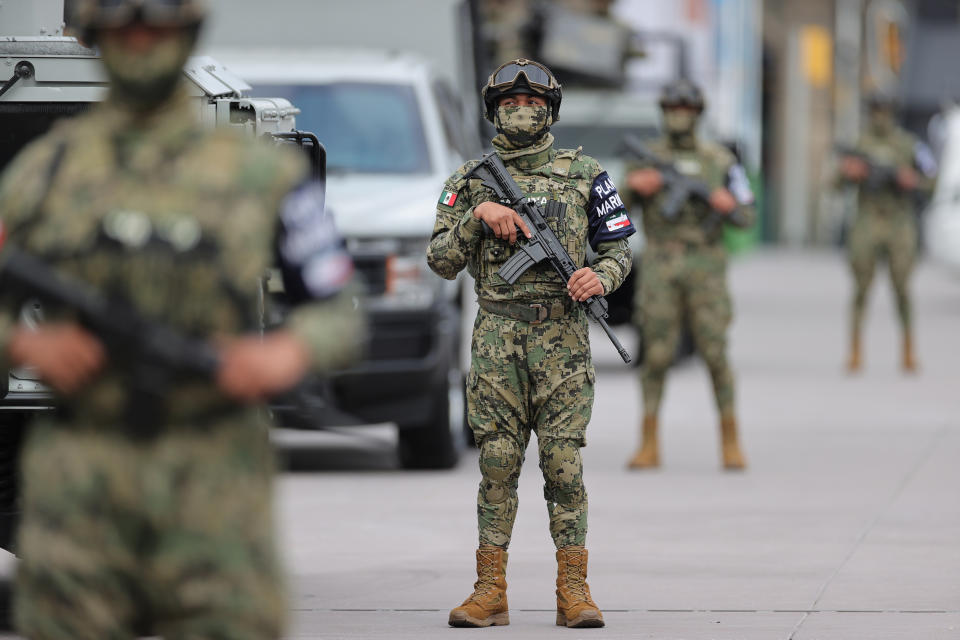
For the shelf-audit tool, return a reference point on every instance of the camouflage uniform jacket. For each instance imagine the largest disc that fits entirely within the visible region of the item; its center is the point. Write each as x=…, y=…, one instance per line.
x=594, y=214
x=181, y=222
x=710, y=163
x=898, y=148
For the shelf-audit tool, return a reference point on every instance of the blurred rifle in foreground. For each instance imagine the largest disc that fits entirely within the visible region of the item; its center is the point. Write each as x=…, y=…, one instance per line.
x=150, y=354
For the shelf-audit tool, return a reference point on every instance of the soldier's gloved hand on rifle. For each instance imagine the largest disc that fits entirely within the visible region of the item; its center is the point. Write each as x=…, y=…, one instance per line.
x=66, y=356
x=646, y=182
x=583, y=284
x=907, y=178
x=254, y=368
x=722, y=201
x=502, y=220
x=854, y=169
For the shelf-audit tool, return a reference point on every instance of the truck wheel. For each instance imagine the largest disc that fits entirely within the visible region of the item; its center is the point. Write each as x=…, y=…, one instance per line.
x=437, y=444
x=12, y=426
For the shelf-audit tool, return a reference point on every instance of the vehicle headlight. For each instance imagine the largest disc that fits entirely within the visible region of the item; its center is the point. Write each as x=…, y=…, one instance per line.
x=31, y=316
x=396, y=273
x=409, y=280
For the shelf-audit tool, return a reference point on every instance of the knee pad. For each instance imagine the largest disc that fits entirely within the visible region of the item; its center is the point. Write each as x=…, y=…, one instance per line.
x=562, y=472
x=500, y=458
x=657, y=356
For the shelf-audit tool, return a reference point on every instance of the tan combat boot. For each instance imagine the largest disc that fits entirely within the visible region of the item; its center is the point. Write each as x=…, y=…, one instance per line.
x=648, y=455
x=732, y=456
x=909, y=360
x=855, y=363
x=487, y=605
x=575, y=607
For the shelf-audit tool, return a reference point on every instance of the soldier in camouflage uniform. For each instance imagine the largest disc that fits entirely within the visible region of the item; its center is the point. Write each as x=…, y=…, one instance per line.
x=531, y=370
x=885, y=224
x=170, y=527
x=683, y=277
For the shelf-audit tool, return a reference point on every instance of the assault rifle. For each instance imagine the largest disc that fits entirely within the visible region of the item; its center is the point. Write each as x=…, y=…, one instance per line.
x=543, y=243
x=879, y=175
x=151, y=354
x=680, y=188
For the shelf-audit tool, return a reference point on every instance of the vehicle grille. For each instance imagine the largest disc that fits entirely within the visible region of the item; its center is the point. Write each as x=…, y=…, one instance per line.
x=373, y=272
x=397, y=338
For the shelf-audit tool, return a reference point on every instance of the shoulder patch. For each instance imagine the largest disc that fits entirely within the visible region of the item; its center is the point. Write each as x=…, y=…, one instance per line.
x=607, y=215
x=739, y=185
x=448, y=198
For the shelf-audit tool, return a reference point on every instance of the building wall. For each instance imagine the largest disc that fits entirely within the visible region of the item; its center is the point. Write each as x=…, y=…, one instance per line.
x=798, y=42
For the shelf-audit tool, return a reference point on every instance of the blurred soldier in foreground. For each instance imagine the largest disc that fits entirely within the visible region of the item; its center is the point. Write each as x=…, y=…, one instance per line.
x=145, y=510
x=531, y=369
x=888, y=166
x=683, y=279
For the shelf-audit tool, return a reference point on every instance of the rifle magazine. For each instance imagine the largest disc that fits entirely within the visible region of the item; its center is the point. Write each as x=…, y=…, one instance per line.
x=515, y=267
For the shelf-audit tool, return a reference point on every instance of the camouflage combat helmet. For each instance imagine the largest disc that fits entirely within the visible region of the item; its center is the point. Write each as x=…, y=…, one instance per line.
x=521, y=76
x=91, y=15
x=682, y=93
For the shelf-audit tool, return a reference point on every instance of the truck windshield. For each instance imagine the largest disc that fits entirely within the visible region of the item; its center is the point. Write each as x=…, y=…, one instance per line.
x=365, y=127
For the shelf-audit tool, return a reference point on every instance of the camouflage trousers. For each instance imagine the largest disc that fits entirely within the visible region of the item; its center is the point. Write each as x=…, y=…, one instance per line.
x=528, y=378
x=874, y=237
x=681, y=288
x=173, y=535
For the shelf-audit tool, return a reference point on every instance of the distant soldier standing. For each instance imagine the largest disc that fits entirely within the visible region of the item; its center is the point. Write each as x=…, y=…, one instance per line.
x=889, y=167
x=531, y=370
x=683, y=279
x=162, y=520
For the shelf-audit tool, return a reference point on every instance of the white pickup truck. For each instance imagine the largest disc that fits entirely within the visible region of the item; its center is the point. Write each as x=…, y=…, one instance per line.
x=393, y=132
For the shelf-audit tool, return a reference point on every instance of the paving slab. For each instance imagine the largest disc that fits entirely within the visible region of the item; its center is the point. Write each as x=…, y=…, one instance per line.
x=846, y=526
x=673, y=625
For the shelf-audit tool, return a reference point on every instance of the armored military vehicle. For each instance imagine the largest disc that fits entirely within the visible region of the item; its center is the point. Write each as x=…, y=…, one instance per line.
x=44, y=76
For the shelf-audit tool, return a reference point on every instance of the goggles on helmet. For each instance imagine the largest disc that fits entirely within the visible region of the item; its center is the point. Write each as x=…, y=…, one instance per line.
x=537, y=76
x=681, y=104
x=118, y=13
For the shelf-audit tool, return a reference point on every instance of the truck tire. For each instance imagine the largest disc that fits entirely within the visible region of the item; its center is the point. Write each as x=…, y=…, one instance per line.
x=12, y=425
x=438, y=443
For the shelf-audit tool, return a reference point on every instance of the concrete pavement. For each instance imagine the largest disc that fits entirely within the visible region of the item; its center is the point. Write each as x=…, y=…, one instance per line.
x=845, y=527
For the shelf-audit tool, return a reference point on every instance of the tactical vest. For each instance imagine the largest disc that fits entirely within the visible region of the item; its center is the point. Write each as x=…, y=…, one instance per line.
x=560, y=180
x=707, y=163
x=895, y=149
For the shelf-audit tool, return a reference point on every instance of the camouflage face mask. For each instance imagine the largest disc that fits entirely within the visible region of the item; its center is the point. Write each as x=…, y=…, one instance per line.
x=680, y=121
x=882, y=121
x=144, y=79
x=523, y=125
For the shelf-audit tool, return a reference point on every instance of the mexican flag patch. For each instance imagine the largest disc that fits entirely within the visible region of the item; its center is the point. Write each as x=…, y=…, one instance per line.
x=618, y=222
x=448, y=198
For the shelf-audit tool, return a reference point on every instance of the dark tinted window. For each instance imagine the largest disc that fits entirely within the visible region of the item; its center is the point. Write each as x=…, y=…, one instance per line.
x=23, y=122
x=365, y=127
